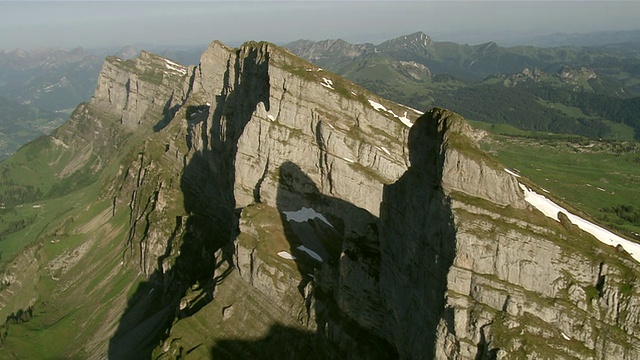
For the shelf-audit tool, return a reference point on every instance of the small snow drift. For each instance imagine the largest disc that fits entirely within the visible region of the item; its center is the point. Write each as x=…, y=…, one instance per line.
x=175, y=67
x=404, y=119
x=377, y=106
x=286, y=255
x=511, y=172
x=327, y=83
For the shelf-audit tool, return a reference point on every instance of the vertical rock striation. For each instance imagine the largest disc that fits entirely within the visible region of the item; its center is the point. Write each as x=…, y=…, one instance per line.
x=442, y=258
x=430, y=248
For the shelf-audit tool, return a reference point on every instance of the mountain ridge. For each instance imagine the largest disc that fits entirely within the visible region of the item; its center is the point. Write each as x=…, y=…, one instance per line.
x=57, y=79
x=202, y=195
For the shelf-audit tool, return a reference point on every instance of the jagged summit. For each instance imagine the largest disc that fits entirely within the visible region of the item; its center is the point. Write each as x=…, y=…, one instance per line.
x=418, y=40
x=256, y=205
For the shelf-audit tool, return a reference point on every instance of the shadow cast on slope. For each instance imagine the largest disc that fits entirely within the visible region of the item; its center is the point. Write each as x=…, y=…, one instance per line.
x=419, y=238
x=406, y=254
x=318, y=228
x=188, y=266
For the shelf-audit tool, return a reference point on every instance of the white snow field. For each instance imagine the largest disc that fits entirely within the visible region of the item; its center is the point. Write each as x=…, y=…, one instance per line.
x=404, y=119
x=551, y=209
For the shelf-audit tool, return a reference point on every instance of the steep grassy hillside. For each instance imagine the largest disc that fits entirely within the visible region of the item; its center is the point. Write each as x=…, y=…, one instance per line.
x=64, y=236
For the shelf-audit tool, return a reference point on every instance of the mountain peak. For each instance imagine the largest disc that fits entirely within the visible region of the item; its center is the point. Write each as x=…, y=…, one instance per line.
x=420, y=35
x=417, y=40
x=266, y=178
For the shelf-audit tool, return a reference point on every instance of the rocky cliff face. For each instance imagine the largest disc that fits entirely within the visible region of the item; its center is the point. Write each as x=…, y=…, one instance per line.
x=274, y=209
x=439, y=258
x=146, y=87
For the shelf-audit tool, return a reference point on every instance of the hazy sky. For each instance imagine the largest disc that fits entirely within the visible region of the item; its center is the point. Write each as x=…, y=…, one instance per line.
x=30, y=24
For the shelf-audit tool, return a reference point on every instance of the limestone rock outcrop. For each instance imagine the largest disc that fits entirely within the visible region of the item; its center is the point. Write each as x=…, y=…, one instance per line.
x=274, y=209
x=147, y=87
x=432, y=249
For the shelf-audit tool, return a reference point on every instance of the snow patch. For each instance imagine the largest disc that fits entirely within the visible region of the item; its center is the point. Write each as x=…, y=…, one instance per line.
x=348, y=160
x=385, y=150
x=327, y=83
x=377, y=106
x=175, y=67
x=601, y=189
x=270, y=117
x=305, y=214
x=169, y=62
x=404, y=119
x=286, y=255
x=311, y=253
x=551, y=209
x=511, y=172
x=565, y=336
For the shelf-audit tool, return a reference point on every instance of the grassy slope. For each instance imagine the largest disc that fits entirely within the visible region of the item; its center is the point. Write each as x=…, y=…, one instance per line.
x=77, y=300
x=590, y=175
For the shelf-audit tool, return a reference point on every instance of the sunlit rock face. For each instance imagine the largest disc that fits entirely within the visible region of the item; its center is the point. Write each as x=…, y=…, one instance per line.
x=276, y=210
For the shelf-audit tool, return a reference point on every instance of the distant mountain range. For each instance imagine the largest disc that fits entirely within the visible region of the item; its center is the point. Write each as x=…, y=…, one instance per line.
x=412, y=69
x=590, y=91
x=50, y=79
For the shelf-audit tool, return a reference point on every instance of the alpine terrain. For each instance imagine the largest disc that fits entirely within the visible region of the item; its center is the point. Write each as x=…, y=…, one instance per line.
x=257, y=206
x=590, y=91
